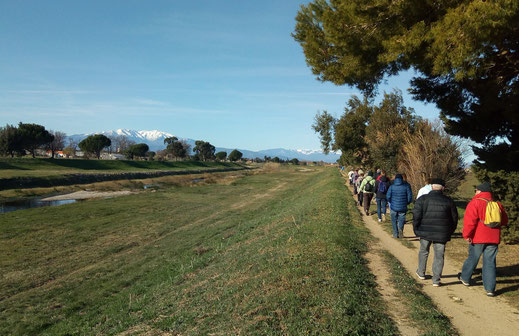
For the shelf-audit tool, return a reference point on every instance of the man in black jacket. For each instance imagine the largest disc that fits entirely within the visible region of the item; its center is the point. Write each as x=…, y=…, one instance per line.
x=435, y=218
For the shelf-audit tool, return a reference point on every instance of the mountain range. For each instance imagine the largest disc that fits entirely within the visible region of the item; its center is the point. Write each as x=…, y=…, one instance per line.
x=155, y=140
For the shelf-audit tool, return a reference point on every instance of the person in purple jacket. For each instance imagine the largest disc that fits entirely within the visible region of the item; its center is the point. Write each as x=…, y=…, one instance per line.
x=399, y=196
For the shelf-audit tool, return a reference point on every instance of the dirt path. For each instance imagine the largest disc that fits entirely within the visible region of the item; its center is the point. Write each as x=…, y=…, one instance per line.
x=470, y=310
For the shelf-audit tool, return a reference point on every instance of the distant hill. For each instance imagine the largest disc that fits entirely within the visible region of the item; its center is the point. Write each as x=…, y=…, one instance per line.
x=155, y=140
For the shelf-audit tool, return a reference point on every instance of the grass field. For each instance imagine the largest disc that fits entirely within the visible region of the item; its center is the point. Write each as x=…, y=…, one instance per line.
x=28, y=167
x=268, y=254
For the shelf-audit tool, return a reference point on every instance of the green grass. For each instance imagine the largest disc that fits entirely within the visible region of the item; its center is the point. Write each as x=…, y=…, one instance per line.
x=28, y=167
x=269, y=254
x=422, y=310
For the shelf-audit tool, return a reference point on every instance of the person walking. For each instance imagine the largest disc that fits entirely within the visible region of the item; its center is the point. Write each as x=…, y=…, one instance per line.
x=435, y=218
x=381, y=186
x=482, y=239
x=399, y=196
x=425, y=189
x=350, y=176
x=360, y=196
x=367, y=188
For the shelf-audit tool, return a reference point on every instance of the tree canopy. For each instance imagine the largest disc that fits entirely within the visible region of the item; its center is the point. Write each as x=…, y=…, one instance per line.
x=235, y=155
x=221, y=156
x=33, y=136
x=204, y=150
x=465, y=54
x=137, y=150
x=94, y=144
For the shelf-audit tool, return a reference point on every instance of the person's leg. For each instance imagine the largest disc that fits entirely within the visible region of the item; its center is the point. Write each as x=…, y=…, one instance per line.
x=383, y=203
x=437, y=267
x=394, y=223
x=379, y=209
x=367, y=202
x=423, y=254
x=401, y=222
x=360, y=197
x=489, y=267
x=471, y=262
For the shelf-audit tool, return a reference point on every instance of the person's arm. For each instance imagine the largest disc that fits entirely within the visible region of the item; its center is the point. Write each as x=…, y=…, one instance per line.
x=455, y=217
x=389, y=194
x=470, y=221
x=417, y=214
x=409, y=194
x=504, y=216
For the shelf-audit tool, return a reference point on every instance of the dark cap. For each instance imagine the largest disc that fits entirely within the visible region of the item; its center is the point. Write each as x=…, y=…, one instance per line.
x=370, y=173
x=398, y=176
x=484, y=187
x=438, y=181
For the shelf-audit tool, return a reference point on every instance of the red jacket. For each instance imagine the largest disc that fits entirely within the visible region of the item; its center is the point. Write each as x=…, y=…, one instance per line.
x=473, y=226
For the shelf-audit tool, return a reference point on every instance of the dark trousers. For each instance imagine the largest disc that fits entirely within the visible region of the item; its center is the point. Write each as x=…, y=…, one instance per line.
x=367, y=201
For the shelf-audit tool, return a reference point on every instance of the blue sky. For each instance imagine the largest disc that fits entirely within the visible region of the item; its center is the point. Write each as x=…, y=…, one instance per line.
x=227, y=72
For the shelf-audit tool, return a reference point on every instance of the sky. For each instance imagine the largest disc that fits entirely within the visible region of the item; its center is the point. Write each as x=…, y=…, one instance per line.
x=227, y=72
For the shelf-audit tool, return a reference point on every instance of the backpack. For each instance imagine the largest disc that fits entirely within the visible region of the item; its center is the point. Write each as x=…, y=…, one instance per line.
x=382, y=187
x=492, y=214
x=369, y=187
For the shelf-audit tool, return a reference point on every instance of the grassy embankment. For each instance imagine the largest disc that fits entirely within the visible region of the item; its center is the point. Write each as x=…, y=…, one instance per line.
x=27, y=177
x=28, y=167
x=273, y=253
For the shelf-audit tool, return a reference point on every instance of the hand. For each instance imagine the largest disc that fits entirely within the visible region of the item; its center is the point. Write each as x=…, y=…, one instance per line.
x=469, y=240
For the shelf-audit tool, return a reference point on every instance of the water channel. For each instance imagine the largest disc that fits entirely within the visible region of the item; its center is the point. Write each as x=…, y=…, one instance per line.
x=27, y=204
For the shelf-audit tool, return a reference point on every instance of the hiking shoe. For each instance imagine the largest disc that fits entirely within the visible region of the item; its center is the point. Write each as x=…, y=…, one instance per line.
x=421, y=277
x=491, y=294
x=400, y=233
x=462, y=281
x=437, y=284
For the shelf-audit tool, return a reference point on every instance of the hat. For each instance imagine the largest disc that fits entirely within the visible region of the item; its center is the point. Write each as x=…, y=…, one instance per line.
x=438, y=181
x=398, y=176
x=361, y=172
x=484, y=187
x=370, y=173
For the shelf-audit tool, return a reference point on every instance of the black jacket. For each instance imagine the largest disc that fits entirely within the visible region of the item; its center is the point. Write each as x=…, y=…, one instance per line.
x=435, y=217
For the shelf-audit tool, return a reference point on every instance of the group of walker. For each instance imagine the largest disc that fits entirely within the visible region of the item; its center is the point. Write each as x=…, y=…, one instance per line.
x=435, y=218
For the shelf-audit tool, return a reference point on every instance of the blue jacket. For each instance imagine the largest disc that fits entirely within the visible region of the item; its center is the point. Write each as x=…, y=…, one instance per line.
x=399, y=195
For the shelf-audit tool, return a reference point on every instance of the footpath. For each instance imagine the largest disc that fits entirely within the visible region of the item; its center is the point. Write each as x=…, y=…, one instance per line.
x=469, y=309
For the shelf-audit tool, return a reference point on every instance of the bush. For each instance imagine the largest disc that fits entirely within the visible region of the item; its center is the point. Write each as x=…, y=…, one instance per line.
x=505, y=188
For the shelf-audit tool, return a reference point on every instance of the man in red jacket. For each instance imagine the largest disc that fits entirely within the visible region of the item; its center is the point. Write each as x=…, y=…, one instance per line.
x=482, y=239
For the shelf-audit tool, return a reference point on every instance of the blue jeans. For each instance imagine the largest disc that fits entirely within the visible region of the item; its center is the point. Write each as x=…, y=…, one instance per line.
x=489, y=252
x=381, y=207
x=397, y=217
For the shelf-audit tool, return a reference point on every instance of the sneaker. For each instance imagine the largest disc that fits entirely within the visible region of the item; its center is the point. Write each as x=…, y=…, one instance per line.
x=437, y=284
x=462, y=281
x=379, y=220
x=384, y=218
x=400, y=233
x=421, y=277
x=491, y=294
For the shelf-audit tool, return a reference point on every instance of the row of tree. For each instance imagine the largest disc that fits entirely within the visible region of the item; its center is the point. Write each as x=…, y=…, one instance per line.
x=392, y=137
x=30, y=137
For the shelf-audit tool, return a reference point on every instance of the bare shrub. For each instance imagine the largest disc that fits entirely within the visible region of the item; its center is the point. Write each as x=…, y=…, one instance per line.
x=430, y=152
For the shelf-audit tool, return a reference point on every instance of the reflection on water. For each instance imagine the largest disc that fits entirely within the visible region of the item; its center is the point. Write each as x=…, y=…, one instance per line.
x=26, y=204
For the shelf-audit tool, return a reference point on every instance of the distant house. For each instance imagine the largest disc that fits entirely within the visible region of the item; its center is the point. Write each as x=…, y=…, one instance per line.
x=58, y=154
x=112, y=156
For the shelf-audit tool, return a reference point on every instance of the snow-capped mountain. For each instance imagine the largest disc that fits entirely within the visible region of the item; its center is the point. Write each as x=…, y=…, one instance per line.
x=155, y=140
